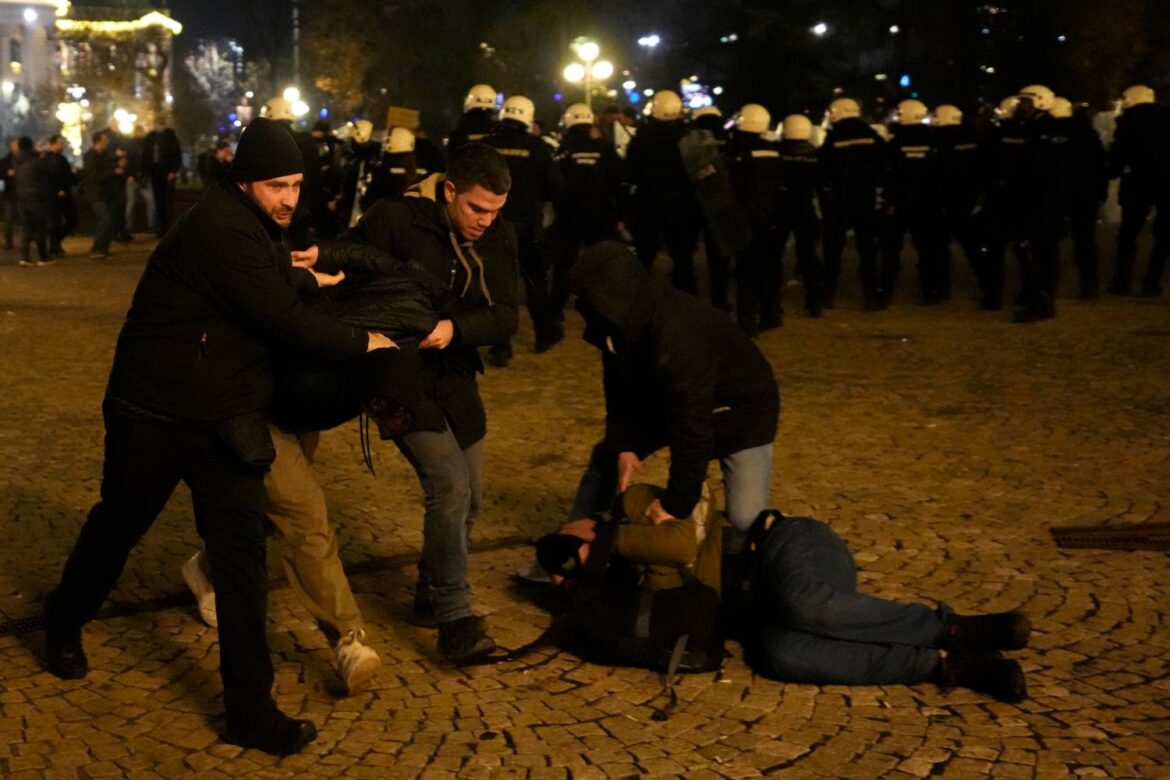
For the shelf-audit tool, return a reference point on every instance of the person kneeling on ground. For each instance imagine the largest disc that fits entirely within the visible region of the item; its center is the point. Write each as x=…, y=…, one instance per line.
x=791, y=597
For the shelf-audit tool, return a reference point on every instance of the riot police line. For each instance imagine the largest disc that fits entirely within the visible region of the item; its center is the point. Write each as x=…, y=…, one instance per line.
x=1035, y=175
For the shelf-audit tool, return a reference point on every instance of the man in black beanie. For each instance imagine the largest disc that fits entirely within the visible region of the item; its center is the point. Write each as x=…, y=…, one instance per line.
x=187, y=400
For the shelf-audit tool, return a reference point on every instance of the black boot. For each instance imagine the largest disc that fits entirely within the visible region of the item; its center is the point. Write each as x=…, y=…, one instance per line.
x=64, y=653
x=464, y=640
x=274, y=733
x=500, y=355
x=997, y=631
x=983, y=672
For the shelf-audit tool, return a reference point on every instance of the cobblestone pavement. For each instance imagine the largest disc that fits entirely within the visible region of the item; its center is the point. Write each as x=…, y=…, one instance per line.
x=940, y=442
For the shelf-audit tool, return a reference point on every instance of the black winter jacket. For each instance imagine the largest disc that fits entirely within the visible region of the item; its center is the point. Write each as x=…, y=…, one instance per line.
x=217, y=298
x=482, y=298
x=677, y=372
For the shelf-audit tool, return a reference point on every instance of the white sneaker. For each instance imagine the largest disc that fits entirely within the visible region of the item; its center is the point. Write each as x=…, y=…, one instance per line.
x=356, y=662
x=25, y=264
x=201, y=586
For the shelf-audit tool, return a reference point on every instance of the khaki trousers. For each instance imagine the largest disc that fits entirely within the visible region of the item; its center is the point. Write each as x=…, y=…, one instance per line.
x=296, y=506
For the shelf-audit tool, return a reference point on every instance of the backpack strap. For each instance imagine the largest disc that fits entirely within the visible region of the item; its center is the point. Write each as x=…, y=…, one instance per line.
x=671, y=674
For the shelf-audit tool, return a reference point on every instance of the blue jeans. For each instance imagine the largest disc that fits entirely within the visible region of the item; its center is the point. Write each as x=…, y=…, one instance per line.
x=816, y=627
x=746, y=478
x=451, y=480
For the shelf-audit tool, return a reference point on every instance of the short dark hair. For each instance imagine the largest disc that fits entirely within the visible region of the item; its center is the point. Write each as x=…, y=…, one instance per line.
x=478, y=164
x=25, y=144
x=97, y=136
x=54, y=138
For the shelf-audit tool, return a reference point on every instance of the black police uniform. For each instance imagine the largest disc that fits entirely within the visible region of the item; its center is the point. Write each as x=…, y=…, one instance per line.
x=588, y=212
x=718, y=263
x=391, y=176
x=474, y=128
x=663, y=200
x=754, y=165
x=913, y=205
x=852, y=162
x=1087, y=183
x=796, y=215
x=961, y=182
x=1141, y=157
x=535, y=181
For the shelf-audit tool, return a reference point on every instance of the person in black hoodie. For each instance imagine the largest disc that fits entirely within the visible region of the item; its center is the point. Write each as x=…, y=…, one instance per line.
x=852, y=166
x=678, y=374
x=34, y=198
x=1139, y=155
x=448, y=226
x=187, y=400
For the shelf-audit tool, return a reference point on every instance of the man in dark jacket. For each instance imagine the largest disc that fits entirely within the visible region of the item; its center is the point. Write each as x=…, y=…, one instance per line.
x=62, y=211
x=162, y=157
x=186, y=400
x=1087, y=187
x=99, y=180
x=852, y=165
x=34, y=199
x=678, y=374
x=536, y=180
x=961, y=183
x=1140, y=157
x=448, y=226
x=8, y=174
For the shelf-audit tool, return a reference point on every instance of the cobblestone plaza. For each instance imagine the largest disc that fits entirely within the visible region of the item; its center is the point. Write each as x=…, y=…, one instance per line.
x=941, y=442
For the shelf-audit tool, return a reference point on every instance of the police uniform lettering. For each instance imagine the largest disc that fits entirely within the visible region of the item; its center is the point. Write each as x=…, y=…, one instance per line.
x=514, y=152
x=853, y=142
x=765, y=153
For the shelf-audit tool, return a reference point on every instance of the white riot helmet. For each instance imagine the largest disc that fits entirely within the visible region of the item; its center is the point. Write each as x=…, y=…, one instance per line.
x=1061, y=108
x=753, y=118
x=797, y=127
x=1040, y=95
x=1137, y=95
x=278, y=109
x=519, y=109
x=398, y=141
x=706, y=111
x=843, y=108
x=1007, y=107
x=577, y=114
x=947, y=115
x=480, y=96
x=363, y=131
x=666, y=106
x=911, y=112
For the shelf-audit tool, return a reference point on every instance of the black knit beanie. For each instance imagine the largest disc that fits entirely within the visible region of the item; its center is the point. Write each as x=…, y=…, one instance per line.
x=266, y=151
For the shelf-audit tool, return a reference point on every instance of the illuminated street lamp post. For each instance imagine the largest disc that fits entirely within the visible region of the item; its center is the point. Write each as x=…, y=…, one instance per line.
x=588, y=71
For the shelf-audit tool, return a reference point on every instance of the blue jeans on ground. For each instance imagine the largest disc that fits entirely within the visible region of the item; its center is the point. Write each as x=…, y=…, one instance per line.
x=747, y=475
x=451, y=480
x=816, y=627
x=103, y=227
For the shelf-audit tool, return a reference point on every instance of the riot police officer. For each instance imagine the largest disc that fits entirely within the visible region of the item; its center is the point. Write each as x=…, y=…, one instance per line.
x=535, y=181
x=397, y=169
x=960, y=182
x=1141, y=157
x=710, y=120
x=361, y=159
x=754, y=165
x=663, y=201
x=795, y=207
x=478, y=120
x=588, y=213
x=913, y=204
x=852, y=163
x=1087, y=187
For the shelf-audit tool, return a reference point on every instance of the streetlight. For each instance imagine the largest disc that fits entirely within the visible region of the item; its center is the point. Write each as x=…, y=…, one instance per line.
x=819, y=29
x=649, y=41
x=590, y=70
x=291, y=94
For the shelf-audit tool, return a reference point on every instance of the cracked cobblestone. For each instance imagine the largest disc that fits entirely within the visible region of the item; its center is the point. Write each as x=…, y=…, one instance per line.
x=941, y=443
